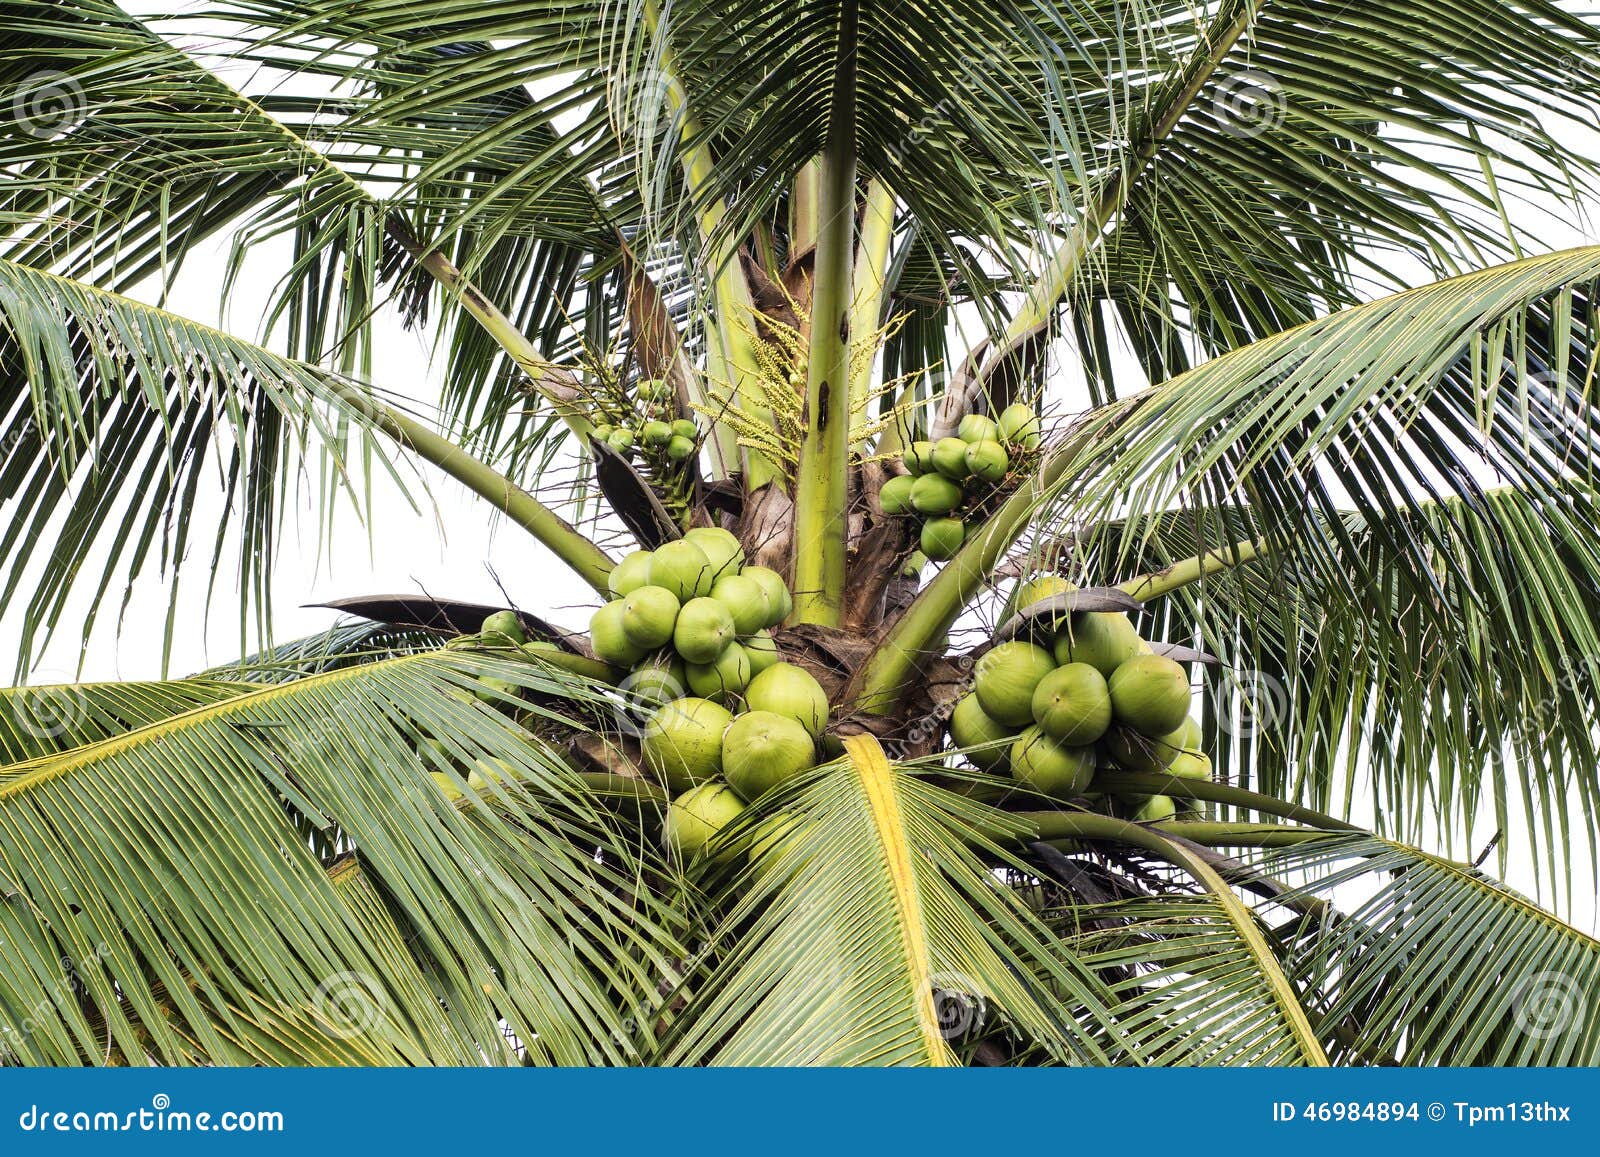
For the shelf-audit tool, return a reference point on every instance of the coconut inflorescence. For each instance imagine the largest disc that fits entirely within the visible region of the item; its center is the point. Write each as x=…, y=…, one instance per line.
x=1087, y=695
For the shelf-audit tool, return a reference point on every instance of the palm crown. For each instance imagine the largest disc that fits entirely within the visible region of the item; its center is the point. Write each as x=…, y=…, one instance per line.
x=719, y=254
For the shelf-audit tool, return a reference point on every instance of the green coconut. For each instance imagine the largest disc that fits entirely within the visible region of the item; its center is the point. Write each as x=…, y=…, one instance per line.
x=659, y=681
x=761, y=650
x=703, y=629
x=722, y=679
x=631, y=573
x=1186, y=736
x=1072, y=704
x=978, y=428
x=685, y=428
x=503, y=628
x=654, y=389
x=648, y=616
x=683, y=568
x=1155, y=809
x=940, y=538
x=680, y=449
x=487, y=771
x=746, y=600
x=541, y=647
x=950, y=458
x=1054, y=769
x=934, y=494
x=621, y=440
x=602, y=431
x=682, y=742
x=608, y=638
x=912, y=567
x=791, y=691
x=447, y=785
x=1150, y=693
x=656, y=433
x=495, y=691
x=1005, y=679
x=762, y=749
x=777, y=592
x=695, y=817
x=918, y=459
x=987, y=461
x=1019, y=426
x=1035, y=590
x=1103, y=639
x=720, y=546
x=971, y=726
x=1131, y=751
x=895, y=494
x=1190, y=765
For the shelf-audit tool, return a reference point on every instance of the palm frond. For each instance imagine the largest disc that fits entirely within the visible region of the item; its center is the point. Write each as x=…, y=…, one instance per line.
x=182, y=870
x=47, y=719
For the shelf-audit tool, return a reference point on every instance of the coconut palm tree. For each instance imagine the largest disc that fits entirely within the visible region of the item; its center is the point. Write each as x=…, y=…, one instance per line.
x=1317, y=413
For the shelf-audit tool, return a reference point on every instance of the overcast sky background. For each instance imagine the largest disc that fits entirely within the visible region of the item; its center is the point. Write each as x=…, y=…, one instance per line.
x=451, y=547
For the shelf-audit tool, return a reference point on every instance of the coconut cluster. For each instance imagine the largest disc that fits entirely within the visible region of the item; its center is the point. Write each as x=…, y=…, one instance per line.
x=1097, y=697
x=728, y=720
x=950, y=478
x=647, y=428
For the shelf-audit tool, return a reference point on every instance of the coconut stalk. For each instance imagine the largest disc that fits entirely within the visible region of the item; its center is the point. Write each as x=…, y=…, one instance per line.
x=822, y=483
x=871, y=275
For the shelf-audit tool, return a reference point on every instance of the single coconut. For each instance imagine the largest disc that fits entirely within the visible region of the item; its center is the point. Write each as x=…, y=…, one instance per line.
x=1053, y=769
x=918, y=458
x=1103, y=639
x=912, y=567
x=1005, y=679
x=659, y=681
x=722, y=679
x=621, y=440
x=940, y=538
x=503, y=628
x=762, y=749
x=972, y=727
x=791, y=691
x=683, y=568
x=1190, y=765
x=695, y=817
x=1019, y=426
x=950, y=458
x=895, y=494
x=721, y=547
x=761, y=650
x=1186, y=736
x=703, y=629
x=680, y=449
x=487, y=771
x=610, y=642
x=977, y=428
x=1132, y=751
x=648, y=616
x=685, y=428
x=1072, y=704
x=1150, y=693
x=1035, y=590
x=1155, y=809
x=777, y=591
x=494, y=690
x=987, y=461
x=746, y=600
x=630, y=574
x=656, y=433
x=934, y=494
x=682, y=742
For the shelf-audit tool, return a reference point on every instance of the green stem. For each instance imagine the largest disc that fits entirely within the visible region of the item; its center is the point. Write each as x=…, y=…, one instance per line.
x=591, y=563
x=822, y=483
x=1192, y=570
x=871, y=287
x=1063, y=827
x=1145, y=783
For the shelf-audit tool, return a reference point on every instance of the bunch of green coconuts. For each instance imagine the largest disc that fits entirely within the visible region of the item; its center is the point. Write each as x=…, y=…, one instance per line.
x=728, y=719
x=947, y=478
x=648, y=428
x=1096, y=697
